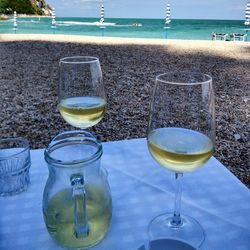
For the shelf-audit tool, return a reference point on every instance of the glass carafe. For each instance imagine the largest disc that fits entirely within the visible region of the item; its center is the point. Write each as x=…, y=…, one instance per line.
x=77, y=205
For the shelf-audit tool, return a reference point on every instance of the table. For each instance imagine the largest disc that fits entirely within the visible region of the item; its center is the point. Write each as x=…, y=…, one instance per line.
x=140, y=190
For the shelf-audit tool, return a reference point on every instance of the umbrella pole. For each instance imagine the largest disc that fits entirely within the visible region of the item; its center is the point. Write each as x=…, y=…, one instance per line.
x=102, y=31
x=166, y=34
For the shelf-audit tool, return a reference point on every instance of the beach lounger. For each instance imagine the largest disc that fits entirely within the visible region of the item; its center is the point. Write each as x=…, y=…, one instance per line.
x=219, y=36
x=238, y=37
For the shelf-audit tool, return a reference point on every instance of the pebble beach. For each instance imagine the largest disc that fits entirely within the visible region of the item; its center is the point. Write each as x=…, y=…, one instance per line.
x=29, y=76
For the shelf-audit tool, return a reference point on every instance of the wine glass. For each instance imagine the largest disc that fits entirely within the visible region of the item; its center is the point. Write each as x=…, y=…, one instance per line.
x=181, y=136
x=81, y=94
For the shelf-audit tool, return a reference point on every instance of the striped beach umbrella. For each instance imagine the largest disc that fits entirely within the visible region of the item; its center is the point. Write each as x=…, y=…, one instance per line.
x=102, y=26
x=53, y=17
x=102, y=14
x=15, y=21
x=247, y=21
x=167, y=20
x=168, y=15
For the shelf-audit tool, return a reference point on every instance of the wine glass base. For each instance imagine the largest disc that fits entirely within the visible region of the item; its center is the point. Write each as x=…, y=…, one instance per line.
x=166, y=244
x=161, y=227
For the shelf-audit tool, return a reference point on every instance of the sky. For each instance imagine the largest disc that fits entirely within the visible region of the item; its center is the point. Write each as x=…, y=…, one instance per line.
x=185, y=9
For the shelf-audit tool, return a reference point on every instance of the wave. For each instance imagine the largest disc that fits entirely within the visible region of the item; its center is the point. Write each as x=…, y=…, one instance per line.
x=77, y=23
x=71, y=23
x=124, y=25
x=22, y=21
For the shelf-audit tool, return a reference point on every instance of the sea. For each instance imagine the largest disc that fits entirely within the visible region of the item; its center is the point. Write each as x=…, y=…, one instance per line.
x=121, y=27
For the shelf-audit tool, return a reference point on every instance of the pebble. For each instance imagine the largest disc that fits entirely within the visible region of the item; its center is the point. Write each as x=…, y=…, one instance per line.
x=28, y=90
x=237, y=137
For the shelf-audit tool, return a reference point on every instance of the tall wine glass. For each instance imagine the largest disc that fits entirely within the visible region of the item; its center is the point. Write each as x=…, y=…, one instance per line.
x=81, y=95
x=181, y=136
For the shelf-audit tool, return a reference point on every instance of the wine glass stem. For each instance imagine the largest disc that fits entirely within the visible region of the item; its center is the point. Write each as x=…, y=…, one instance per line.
x=176, y=221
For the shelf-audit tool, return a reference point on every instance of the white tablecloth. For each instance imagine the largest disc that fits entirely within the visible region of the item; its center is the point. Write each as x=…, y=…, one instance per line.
x=140, y=190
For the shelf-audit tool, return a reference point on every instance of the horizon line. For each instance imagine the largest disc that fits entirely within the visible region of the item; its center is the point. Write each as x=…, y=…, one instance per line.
x=156, y=18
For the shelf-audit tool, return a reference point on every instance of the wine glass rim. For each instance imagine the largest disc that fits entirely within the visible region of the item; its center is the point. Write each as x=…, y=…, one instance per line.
x=79, y=59
x=208, y=78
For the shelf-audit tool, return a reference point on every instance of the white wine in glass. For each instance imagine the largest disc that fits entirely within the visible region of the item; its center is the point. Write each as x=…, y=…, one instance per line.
x=183, y=151
x=82, y=100
x=181, y=136
x=82, y=112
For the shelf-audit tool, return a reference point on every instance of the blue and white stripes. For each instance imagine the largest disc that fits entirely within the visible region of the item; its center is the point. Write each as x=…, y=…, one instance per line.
x=247, y=21
x=15, y=21
x=102, y=14
x=53, y=17
x=168, y=15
